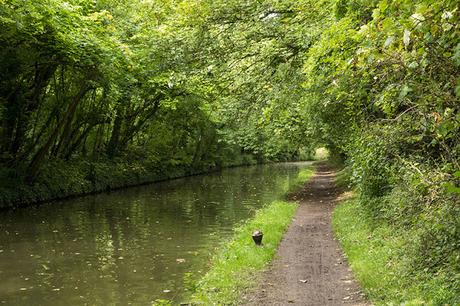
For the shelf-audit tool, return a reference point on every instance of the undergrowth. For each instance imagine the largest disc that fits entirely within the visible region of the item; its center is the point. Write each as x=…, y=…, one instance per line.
x=381, y=258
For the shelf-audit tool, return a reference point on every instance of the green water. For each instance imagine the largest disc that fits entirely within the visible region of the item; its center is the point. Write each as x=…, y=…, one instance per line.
x=131, y=246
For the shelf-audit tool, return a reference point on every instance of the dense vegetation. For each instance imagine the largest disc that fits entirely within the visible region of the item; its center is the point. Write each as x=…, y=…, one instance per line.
x=156, y=84
x=377, y=255
x=384, y=80
x=103, y=94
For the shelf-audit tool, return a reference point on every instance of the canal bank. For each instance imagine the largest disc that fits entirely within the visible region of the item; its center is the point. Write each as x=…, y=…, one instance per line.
x=237, y=266
x=66, y=179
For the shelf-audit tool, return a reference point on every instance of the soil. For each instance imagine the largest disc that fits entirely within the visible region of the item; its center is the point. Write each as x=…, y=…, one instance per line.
x=310, y=268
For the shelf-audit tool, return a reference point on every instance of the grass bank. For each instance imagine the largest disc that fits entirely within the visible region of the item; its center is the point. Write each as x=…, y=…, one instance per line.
x=238, y=265
x=380, y=257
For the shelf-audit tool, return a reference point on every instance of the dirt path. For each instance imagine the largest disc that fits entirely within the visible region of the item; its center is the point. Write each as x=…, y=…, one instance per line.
x=309, y=268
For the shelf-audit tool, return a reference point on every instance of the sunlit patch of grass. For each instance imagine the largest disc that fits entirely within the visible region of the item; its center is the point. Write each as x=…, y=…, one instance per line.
x=303, y=176
x=376, y=255
x=237, y=266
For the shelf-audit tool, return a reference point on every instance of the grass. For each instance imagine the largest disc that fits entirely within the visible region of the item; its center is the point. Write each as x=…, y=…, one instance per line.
x=378, y=256
x=303, y=176
x=237, y=266
x=343, y=178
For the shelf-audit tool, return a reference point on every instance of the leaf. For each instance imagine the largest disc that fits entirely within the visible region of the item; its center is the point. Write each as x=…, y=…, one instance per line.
x=383, y=5
x=406, y=37
x=388, y=41
x=451, y=188
x=456, y=55
x=45, y=267
x=404, y=91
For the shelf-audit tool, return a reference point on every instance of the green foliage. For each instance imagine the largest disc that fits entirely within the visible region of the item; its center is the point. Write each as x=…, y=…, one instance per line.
x=139, y=88
x=377, y=255
x=60, y=179
x=381, y=85
x=108, y=79
x=162, y=302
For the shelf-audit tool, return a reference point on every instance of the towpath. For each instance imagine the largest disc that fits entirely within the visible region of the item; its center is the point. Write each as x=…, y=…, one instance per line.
x=310, y=268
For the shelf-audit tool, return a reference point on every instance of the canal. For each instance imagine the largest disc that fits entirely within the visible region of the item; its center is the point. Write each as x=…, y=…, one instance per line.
x=131, y=246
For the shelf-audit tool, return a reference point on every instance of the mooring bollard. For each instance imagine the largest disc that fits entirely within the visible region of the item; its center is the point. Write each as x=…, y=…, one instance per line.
x=257, y=237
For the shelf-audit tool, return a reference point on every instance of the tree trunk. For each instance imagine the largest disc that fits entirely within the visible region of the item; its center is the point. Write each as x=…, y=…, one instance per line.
x=40, y=156
x=133, y=129
x=114, y=143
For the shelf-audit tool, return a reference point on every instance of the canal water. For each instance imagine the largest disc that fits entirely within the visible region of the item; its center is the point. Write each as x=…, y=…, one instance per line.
x=132, y=246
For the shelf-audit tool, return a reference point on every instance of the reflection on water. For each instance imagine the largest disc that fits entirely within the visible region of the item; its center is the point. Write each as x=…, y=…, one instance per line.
x=130, y=246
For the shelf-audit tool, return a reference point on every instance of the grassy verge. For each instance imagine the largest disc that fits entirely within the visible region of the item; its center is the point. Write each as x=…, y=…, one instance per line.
x=378, y=256
x=303, y=176
x=237, y=266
